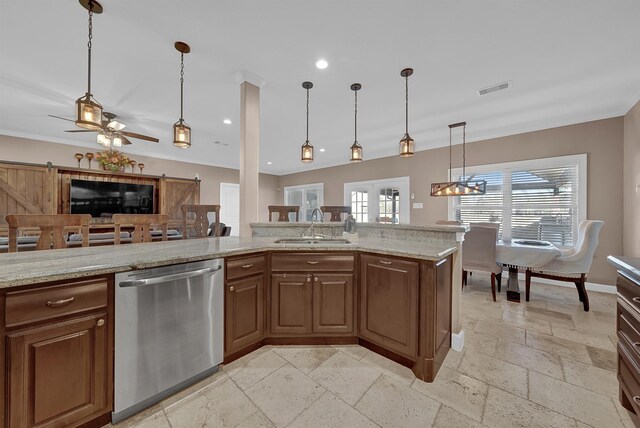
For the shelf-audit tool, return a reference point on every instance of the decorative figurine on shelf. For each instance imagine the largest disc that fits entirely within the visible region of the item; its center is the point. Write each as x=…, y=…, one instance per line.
x=89, y=157
x=112, y=160
x=79, y=156
x=141, y=166
x=133, y=165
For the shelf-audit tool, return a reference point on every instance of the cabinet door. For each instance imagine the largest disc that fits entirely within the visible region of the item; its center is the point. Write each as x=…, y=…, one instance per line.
x=291, y=310
x=58, y=374
x=244, y=313
x=333, y=303
x=389, y=303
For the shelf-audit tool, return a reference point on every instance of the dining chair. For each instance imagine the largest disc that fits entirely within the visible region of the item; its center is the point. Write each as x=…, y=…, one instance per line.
x=201, y=223
x=53, y=229
x=336, y=211
x=449, y=222
x=283, y=211
x=573, y=264
x=479, y=255
x=142, y=224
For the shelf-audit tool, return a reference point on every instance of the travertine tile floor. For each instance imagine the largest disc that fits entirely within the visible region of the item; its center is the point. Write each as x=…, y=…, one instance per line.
x=545, y=363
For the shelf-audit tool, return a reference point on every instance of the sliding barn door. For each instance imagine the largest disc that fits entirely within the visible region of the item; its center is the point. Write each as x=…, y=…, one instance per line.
x=174, y=193
x=26, y=189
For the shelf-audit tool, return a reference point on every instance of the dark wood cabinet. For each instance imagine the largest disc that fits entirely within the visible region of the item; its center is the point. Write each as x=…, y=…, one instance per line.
x=389, y=303
x=244, y=313
x=291, y=309
x=333, y=303
x=59, y=354
x=244, y=302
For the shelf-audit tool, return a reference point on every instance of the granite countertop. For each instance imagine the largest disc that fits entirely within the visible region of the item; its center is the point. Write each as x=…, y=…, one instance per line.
x=33, y=267
x=425, y=227
x=630, y=265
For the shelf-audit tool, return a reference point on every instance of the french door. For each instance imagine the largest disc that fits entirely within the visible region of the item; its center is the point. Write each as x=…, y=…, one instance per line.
x=379, y=201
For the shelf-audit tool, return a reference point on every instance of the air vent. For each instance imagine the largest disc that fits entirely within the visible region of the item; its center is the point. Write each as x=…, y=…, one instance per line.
x=494, y=88
x=220, y=143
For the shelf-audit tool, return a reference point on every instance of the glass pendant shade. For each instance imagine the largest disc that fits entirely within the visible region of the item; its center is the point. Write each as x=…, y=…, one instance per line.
x=103, y=140
x=356, y=152
x=117, y=142
x=307, y=152
x=88, y=113
x=181, y=135
x=406, y=146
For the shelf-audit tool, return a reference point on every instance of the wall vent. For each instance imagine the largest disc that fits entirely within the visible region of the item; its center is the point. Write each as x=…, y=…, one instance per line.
x=494, y=88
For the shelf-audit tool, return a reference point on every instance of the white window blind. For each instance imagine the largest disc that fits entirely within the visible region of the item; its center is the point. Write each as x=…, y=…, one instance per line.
x=542, y=199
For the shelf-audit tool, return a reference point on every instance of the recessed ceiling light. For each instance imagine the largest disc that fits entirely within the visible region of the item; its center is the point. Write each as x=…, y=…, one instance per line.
x=322, y=64
x=322, y=150
x=227, y=121
x=269, y=163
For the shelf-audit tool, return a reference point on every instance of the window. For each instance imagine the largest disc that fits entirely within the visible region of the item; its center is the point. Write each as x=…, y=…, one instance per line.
x=307, y=197
x=542, y=199
x=380, y=201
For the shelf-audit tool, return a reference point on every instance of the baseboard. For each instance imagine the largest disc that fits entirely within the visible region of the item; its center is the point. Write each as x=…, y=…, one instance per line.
x=457, y=341
x=590, y=286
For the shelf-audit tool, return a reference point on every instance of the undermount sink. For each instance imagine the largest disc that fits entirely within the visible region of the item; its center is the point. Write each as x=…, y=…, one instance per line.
x=313, y=241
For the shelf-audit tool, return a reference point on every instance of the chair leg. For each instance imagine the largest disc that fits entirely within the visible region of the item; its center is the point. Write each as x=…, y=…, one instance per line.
x=582, y=292
x=527, y=276
x=499, y=277
x=493, y=286
x=464, y=278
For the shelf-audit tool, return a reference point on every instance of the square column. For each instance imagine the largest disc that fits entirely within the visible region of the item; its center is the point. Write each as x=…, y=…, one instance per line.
x=249, y=156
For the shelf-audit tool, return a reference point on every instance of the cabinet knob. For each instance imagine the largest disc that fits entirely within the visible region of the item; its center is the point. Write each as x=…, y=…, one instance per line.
x=100, y=322
x=636, y=398
x=636, y=299
x=315, y=278
x=232, y=288
x=308, y=279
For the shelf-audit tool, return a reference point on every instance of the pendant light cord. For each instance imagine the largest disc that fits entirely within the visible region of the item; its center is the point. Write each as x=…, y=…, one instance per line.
x=406, y=113
x=464, y=162
x=89, y=46
x=450, y=156
x=181, y=83
x=307, y=115
x=356, y=117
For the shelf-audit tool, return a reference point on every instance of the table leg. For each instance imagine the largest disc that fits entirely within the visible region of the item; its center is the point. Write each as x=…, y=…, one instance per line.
x=513, y=288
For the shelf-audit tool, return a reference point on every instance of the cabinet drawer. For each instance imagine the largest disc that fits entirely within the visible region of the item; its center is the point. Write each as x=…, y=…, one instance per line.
x=389, y=262
x=245, y=266
x=316, y=262
x=629, y=290
x=627, y=375
x=628, y=333
x=24, y=307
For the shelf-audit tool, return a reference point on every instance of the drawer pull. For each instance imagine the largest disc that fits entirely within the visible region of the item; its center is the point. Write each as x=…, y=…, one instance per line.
x=247, y=266
x=312, y=262
x=232, y=288
x=100, y=322
x=636, y=344
x=61, y=302
x=636, y=398
x=385, y=262
x=636, y=299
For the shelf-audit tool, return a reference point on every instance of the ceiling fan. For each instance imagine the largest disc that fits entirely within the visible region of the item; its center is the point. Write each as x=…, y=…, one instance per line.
x=111, y=133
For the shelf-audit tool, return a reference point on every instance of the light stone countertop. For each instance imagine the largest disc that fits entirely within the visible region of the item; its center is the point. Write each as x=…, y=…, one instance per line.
x=31, y=267
x=629, y=265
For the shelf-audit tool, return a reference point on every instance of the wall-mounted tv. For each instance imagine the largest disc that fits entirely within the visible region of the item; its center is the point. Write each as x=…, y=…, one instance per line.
x=103, y=198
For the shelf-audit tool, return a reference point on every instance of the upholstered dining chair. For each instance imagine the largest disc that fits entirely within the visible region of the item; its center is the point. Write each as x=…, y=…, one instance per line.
x=53, y=229
x=479, y=255
x=283, y=211
x=335, y=211
x=573, y=264
x=201, y=222
x=142, y=224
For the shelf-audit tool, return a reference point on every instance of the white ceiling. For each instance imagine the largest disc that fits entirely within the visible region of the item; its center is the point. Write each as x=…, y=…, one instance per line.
x=570, y=61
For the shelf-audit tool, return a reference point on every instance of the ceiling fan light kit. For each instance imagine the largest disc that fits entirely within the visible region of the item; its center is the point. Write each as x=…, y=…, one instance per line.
x=464, y=186
x=355, y=149
x=307, y=148
x=406, y=143
x=88, y=110
x=182, y=131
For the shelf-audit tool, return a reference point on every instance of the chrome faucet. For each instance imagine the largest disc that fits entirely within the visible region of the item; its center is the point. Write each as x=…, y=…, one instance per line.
x=312, y=228
x=317, y=210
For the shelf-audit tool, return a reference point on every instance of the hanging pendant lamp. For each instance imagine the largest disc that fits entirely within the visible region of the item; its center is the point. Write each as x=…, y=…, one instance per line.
x=307, y=149
x=182, y=131
x=356, y=149
x=406, y=143
x=88, y=110
x=464, y=186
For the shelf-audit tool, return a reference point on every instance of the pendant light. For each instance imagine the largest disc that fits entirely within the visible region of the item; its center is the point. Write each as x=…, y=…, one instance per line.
x=356, y=149
x=88, y=110
x=464, y=186
x=182, y=131
x=307, y=149
x=406, y=143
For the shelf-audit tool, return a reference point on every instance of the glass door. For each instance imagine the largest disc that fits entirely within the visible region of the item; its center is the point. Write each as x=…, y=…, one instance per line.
x=379, y=201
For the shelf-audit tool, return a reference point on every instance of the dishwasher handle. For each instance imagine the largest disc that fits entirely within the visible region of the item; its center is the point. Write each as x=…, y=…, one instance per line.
x=167, y=278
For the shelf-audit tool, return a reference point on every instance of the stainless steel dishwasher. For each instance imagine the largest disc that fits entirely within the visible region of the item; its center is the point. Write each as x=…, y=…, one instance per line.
x=169, y=328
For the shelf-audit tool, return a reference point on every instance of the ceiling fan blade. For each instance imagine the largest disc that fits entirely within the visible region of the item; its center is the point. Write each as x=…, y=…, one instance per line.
x=63, y=118
x=140, y=136
x=82, y=130
x=125, y=140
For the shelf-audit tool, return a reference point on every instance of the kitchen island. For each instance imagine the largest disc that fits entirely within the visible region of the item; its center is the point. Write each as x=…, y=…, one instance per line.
x=390, y=295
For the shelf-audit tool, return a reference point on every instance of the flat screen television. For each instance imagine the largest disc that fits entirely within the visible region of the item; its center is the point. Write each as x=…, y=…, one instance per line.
x=103, y=199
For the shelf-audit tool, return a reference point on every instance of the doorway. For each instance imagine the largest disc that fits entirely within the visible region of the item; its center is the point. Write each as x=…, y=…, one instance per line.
x=230, y=206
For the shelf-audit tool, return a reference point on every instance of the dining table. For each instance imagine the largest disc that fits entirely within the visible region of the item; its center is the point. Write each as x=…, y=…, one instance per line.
x=523, y=254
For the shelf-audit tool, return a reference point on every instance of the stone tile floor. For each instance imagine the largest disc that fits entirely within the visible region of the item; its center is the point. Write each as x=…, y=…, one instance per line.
x=545, y=363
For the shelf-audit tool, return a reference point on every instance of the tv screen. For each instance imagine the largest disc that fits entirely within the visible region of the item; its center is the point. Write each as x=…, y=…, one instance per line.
x=103, y=199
